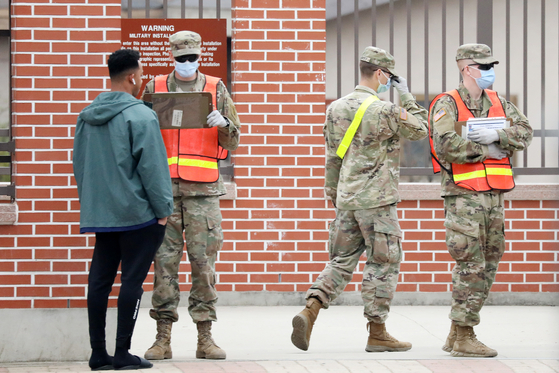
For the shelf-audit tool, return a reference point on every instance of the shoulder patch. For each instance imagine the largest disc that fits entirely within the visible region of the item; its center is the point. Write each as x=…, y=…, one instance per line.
x=439, y=115
x=403, y=114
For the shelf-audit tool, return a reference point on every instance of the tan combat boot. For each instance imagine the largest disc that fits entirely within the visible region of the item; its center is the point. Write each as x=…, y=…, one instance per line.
x=450, y=339
x=161, y=348
x=380, y=341
x=207, y=349
x=303, y=323
x=467, y=345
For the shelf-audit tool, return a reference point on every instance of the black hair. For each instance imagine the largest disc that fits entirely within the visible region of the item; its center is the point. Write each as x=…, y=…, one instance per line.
x=368, y=69
x=123, y=61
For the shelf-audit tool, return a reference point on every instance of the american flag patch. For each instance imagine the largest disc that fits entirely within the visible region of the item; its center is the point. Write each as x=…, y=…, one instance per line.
x=439, y=115
x=403, y=114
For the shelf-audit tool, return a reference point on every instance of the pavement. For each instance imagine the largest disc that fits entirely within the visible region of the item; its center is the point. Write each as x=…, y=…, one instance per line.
x=257, y=339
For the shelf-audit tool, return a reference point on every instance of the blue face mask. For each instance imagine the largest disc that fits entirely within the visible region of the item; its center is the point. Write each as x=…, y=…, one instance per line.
x=384, y=87
x=487, y=78
x=186, y=69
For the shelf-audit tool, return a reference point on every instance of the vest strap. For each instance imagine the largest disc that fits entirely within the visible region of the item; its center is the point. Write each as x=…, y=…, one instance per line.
x=350, y=133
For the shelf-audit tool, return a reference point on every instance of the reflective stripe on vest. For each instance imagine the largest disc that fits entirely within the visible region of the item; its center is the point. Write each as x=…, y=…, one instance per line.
x=350, y=133
x=491, y=174
x=193, y=155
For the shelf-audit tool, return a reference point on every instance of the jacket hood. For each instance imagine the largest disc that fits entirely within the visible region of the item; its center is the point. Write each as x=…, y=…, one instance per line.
x=106, y=106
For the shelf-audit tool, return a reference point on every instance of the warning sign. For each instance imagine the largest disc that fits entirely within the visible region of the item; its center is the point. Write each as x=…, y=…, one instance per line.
x=150, y=37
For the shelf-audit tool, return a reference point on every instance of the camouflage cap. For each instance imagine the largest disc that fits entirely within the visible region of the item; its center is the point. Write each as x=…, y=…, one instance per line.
x=479, y=53
x=185, y=42
x=379, y=57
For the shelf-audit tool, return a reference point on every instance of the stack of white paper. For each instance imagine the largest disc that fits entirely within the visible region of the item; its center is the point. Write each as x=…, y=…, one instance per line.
x=487, y=123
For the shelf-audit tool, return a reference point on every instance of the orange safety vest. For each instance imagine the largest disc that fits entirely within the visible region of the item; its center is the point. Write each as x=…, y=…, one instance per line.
x=491, y=174
x=193, y=154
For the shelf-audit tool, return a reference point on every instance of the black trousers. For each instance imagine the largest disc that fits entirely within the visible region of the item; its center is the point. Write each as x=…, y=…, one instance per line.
x=134, y=251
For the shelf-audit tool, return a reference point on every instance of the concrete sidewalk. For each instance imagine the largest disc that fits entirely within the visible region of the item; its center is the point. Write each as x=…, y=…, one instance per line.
x=257, y=339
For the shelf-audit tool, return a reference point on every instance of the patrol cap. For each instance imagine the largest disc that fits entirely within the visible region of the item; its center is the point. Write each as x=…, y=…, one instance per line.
x=379, y=57
x=479, y=53
x=185, y=42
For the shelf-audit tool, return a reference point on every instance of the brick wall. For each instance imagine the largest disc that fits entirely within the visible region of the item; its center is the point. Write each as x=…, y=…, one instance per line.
x=59, y=49
x=276, y=229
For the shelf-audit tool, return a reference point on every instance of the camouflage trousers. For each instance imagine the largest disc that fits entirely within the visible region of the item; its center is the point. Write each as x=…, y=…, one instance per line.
x=475, y=238
x=200, y=219
x=376, y=232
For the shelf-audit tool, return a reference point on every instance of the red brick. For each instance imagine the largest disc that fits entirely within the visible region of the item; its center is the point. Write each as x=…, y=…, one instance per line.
x=525, y=288
x=540, y=236
x=264, y=256
x=34, y=266
x=406, y=287
x=50, y=303
x=526, y=267
x=296, y=4
x=13, y=253
x=69, y=241
x=539, y=277
x=33, y=291
x=68, y=266
x=418, y=236
x=51, y=279
x=15, y=304
x=550, y=246
x=509, y=277
x=433, y=287
x=68, y=291
x=280, y=14
x=280, y=287
x=521, y=246
x=232, y=278
x=550, y=204
x=233, y=256
x=15, y=280
x=540, y=257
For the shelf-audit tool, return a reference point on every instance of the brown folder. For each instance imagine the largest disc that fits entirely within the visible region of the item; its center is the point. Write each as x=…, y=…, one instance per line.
x=178, y=110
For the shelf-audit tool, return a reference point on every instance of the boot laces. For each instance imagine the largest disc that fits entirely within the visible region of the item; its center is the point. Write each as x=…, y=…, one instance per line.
x=476, y=342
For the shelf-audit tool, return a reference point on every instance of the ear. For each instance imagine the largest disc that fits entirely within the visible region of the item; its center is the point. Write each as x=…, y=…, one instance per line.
x=131, y=79
x=171, y=56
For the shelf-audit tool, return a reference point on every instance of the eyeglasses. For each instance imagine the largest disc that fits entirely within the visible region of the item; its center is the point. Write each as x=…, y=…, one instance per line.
x=188, y=57
x=390, y=75
x=484, y=67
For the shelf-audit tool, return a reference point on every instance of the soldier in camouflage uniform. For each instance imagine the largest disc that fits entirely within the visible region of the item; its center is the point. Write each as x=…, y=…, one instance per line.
x=363, y=186
x=474, y=220
x=196, y=212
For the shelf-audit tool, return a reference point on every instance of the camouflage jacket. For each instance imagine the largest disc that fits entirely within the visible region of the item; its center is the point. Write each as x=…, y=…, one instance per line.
x=368, y=175
x=452, y=148
x=228, y=136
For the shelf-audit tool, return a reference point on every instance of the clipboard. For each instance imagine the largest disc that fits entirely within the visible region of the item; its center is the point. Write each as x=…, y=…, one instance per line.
x=181, y=110
x=461, y=130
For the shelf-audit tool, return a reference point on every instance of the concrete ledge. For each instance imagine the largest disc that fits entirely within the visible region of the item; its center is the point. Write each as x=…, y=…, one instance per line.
x=8, y=213
x=522, y=192
x=278, y=298
x=231, y=193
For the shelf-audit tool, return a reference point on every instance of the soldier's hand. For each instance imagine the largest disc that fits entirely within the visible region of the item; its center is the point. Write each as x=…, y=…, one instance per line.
x=215, y=119
x=496, y=152
x=484, y=136
x=401, y=85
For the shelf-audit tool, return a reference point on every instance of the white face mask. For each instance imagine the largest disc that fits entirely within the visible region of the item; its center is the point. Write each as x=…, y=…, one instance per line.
x=186, y=69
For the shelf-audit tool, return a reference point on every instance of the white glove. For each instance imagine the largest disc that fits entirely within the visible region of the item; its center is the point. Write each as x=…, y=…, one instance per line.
x=215, y=119
x=402, y=86
x=484, y=136
x=496, y=152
